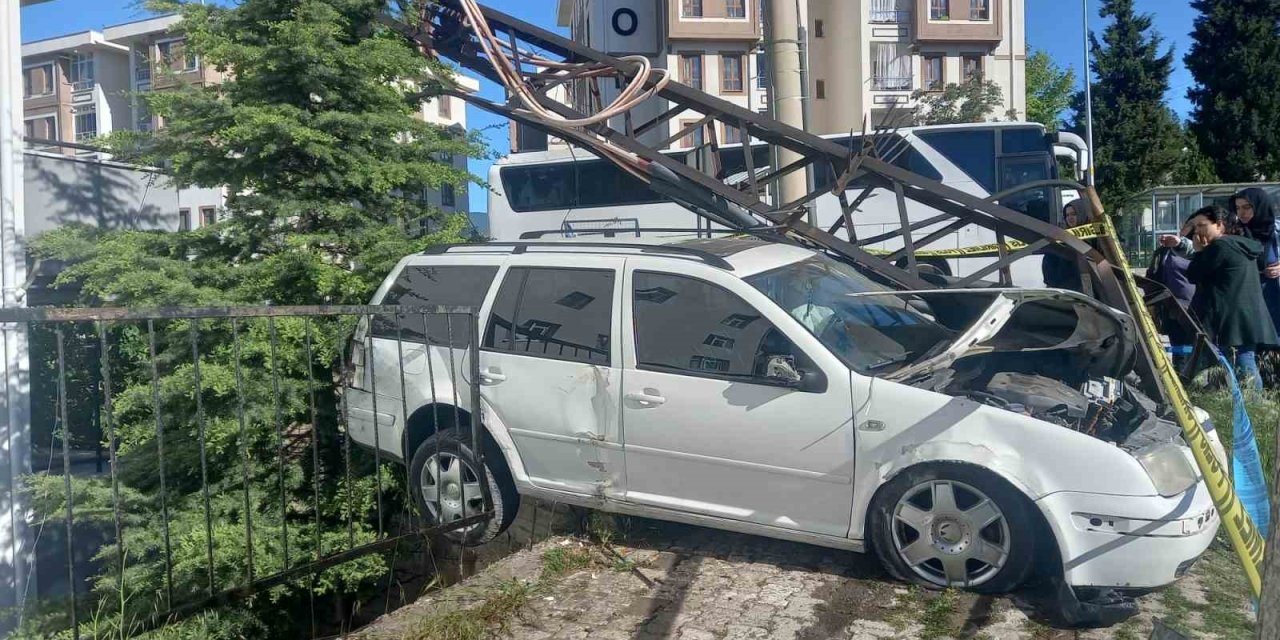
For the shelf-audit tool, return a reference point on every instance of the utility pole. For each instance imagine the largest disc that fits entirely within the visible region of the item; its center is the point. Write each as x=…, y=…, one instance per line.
x=1088, y=99
x=786, y=89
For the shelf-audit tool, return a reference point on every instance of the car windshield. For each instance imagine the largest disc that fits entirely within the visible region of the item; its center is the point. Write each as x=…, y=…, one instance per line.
x=871, y=334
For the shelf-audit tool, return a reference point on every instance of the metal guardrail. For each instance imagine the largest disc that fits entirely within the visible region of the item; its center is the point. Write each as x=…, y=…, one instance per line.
x=206, y=404
x=888, y=83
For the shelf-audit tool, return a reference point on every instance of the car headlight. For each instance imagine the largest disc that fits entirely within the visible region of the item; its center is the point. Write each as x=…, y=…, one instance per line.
x=1168, y=468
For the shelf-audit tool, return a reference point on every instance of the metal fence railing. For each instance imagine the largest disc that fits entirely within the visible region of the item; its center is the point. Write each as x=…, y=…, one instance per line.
x=230, y=469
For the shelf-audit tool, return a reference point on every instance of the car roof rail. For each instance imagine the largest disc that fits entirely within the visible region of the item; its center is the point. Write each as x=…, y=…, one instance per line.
x=517, y=248
x=623, y=231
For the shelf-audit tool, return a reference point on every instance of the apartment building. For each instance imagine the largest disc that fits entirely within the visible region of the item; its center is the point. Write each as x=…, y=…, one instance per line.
x=82, y=85
x=865, y=58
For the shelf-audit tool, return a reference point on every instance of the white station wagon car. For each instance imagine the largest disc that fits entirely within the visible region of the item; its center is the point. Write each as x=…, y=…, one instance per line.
x=965, y=437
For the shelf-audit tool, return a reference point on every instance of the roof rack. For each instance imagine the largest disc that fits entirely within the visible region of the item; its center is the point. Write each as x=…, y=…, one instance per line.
x=705, y=257
x=535, y=235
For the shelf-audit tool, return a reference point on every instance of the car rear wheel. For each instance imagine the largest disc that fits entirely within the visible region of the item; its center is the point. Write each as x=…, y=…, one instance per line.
x=446, y=487
x=951, y=526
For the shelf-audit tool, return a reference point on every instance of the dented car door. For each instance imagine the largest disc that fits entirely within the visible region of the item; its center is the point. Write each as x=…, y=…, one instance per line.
x=549, y=371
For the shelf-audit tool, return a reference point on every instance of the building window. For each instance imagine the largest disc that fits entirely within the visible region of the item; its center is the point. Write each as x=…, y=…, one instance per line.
x=889, y=12
x=732, y=135
x=731, y=67
x=735, y=8
x=693, y=139
x=890, y=67
x=691, y=69
x=444, y=108
x=820, y=89
x=762, y=70
x=38, y=81
x=142, y=120
x=184, y=219
x=86, y=126
x=208, y=216
x=690, y=8
x=939, y=9
x=980, y=10
x=818, y=31
x=971, y=66
x=41, y=127
x=142, y=65
x=447, y=196
x=175, y=56
x=934, y=72
x=81, y=75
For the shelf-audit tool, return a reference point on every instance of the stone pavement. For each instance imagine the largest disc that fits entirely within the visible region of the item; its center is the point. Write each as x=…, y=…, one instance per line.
x=690, y=583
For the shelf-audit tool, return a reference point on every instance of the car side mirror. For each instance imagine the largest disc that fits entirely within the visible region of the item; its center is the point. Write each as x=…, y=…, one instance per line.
x=782, y=370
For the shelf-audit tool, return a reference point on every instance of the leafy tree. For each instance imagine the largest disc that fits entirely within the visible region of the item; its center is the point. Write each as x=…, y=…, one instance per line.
x=1049, y=90
x=973, y=101
x=1194, y=167
x=1235, y=59
x=315, y=135
x=1138, y=138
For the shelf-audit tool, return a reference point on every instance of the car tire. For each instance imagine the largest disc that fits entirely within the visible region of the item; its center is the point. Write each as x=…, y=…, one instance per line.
x=982, y=539
x=454, y=471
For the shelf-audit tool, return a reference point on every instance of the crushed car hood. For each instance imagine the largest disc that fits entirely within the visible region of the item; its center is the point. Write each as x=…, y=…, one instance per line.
x=1100, y=340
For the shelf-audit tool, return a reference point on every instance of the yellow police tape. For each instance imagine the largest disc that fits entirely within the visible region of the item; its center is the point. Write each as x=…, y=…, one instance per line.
x=1083, y=232
x=1244, y=535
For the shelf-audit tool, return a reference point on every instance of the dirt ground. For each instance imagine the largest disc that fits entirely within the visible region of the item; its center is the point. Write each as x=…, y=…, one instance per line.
x=636, y=579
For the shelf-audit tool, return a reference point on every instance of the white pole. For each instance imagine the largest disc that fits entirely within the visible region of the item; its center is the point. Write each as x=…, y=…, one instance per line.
x=787, y=92
x=15, y=425
x=1088, y=98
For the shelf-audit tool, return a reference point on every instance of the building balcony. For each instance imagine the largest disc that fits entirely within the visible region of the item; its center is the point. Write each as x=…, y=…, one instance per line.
x=891, y=83
x=890, y=16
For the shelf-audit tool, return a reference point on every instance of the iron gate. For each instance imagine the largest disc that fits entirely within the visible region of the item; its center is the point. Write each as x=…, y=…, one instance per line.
x=229, y=471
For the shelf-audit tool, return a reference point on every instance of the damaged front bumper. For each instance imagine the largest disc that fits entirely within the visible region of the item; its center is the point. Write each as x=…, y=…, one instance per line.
x=1129, y=542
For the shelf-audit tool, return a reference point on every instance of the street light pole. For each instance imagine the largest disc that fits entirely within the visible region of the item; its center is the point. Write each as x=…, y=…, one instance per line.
x=1088, y=99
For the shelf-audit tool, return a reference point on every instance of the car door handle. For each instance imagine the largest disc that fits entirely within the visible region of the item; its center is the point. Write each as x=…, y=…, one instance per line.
x=492, y=377
x=646, y=399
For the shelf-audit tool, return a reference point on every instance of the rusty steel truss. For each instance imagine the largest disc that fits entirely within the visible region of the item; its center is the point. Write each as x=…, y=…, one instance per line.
x=441, y=31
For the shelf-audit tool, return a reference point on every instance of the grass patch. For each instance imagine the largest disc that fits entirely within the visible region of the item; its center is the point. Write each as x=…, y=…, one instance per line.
x=1227, y=592
x=1128, y=630
x=1177, y=609
x=561, y=561
x=470, y=624
x=939, y=616
x=1264, y=413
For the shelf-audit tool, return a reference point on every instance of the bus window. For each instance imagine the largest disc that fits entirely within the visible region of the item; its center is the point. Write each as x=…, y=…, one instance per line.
x=1036, y=203
x=601, y=184
x=1024, y=140
x=539, y=188
x=972, y=151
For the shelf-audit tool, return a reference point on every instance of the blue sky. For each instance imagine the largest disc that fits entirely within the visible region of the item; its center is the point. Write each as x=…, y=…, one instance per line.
x=1052, y=25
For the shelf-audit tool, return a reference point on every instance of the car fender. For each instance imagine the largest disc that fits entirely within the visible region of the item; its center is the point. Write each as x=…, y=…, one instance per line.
x=914, y=426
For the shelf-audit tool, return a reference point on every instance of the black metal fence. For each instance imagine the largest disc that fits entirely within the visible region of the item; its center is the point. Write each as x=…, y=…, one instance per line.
x=230, y=476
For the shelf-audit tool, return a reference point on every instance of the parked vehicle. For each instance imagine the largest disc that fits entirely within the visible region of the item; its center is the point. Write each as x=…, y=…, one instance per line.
x=579, y=195
x=963, y=436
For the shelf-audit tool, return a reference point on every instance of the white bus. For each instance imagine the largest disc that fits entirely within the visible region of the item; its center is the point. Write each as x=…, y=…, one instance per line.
x=574, y=194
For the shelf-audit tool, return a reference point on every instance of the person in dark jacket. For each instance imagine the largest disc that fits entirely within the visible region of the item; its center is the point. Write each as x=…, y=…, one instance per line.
x=1169, y=266
x=1060, y=272
x=1256, y=211
x=1228, y=299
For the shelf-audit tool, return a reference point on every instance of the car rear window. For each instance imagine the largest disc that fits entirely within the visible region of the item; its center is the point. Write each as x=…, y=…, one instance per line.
x=446, y=285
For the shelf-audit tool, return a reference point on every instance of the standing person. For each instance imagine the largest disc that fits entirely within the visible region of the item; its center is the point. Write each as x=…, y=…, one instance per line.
x=1060, y=272
x=1169, y=266
x=1228, y=298
x=1256, y=211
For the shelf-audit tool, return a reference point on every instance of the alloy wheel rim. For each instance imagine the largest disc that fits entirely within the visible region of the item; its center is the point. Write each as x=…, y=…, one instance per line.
x=451, y=490
x=950, y=533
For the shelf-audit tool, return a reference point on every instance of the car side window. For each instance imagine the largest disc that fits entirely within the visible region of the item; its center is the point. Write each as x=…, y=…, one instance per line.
x=561, y=314
x=429, y=286
x=689, y=326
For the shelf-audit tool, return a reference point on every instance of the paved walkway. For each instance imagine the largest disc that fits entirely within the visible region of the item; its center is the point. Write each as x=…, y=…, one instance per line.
x=689, y=583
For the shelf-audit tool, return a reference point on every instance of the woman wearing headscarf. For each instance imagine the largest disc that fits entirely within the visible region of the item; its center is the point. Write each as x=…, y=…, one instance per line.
x=1060, y=272
x=1169, y=266
x=1228, y=298
x=1256, y=211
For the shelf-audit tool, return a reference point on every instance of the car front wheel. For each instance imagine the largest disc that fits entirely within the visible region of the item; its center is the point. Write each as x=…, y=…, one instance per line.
x=446, y=486
x=952, y=526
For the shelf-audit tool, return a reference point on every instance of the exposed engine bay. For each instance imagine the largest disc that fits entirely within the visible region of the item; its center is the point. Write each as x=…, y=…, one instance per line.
x=1054, y=356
